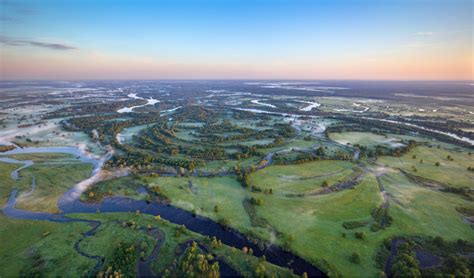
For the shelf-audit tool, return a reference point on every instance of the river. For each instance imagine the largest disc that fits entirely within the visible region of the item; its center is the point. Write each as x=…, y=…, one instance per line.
x=150, y=101
x=70, y=203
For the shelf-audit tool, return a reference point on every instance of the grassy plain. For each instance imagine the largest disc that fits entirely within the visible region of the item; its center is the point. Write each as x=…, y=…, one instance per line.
x=53, y=174
x=53, y=242
x=301, y=178
x=450, y=172
x=51, y=182
x=7, y=184
x=366, y=139
x=201, y=195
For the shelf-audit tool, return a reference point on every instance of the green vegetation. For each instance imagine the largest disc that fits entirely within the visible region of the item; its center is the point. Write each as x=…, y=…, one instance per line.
x=367, y=139
x=124, y=186
x=451, y=171
x=201, y=195
x=429, y=257
x=51, y=182
x=41, y=247
x=304, y=178
x=52, y=174
x=7, y=184
x=339, y=199
x=127, y=230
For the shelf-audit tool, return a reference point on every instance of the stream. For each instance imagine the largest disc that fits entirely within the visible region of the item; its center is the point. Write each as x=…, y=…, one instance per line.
x=150, y=101
x=70, y=203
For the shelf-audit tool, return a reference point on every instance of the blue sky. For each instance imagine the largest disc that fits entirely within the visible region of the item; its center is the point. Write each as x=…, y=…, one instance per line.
x=226, y=39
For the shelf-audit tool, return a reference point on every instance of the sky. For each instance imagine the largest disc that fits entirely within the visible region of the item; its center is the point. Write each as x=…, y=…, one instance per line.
x=229, y=39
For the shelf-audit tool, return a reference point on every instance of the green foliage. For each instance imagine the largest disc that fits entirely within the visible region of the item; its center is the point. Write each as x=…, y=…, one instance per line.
x=382, y=219
x=360, y=235
x=195, y=264
x=122, y=262
x=35, y=266
x=257, y=202
x=349, y=225
x=405, y=263
x=355, y=258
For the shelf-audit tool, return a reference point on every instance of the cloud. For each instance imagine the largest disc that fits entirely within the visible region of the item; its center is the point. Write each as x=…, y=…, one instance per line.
x=7, y=18
x=48, y=45
x=424, y=34
x=14, y=6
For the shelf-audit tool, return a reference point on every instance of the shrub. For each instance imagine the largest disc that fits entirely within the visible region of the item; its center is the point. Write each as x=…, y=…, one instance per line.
x=349, y=225
x=355, y=258
x=360, y=235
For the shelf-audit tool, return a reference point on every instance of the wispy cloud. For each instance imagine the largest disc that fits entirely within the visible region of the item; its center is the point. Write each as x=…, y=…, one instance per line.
x=25, y=42
x=16, y=7
x=7, y=18
x=424, y=34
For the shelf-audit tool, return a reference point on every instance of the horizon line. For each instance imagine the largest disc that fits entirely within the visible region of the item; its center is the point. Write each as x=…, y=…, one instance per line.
x=238, y=79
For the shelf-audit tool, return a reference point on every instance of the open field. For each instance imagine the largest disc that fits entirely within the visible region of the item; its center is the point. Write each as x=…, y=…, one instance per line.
x=201, y=195
x=301, y=178
x=7, y=184
x=52, y=174
x=51, y=183
x=452, y=172
x=369, y=140
x=46, y=246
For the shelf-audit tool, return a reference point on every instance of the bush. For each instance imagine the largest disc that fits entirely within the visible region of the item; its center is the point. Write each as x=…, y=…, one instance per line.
x=375, y=227
x=257, y=202
x=439, y=241
x=355, y=258
x=349, y=225
x=360, y=235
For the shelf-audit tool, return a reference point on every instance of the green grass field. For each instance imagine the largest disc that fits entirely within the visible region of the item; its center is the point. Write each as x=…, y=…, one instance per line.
x=301, y=178
x=453, y=173
x=311, y=226
x=7, y=184
x=51, y=182
x=54, y=174
x=201, y=195
x=123, y=186
x=54, y=242
x=367, y=139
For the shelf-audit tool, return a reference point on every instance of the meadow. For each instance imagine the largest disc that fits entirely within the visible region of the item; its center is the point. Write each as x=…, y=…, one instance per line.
x=444, y=164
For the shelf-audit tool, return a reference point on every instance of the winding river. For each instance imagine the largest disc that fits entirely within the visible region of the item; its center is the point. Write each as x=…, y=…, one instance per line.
x=70, y=203
x=151, y=101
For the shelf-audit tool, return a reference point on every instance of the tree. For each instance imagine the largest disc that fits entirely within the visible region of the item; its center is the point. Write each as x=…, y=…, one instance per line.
x=405, y=263
x=405, y=266
x=457, y=266
x=355, y=258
